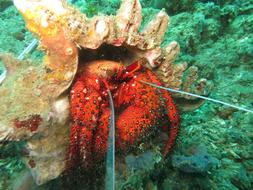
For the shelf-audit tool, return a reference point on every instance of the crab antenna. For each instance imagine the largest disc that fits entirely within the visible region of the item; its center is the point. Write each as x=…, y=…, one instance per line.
x=110, y=157
x=198, y=96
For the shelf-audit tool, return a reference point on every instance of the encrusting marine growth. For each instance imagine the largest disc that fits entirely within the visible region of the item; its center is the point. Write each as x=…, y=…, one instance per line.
x=61, y=107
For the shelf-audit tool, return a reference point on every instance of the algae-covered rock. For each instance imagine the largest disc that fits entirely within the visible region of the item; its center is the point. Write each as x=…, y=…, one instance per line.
x=199, y=162
x=241, y=179
x=144, y=161
x=186, y=29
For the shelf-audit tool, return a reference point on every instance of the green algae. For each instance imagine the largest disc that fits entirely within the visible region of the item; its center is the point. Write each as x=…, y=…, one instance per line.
x=14, y=36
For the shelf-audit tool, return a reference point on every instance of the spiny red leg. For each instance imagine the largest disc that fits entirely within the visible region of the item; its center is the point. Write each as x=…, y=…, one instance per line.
x=101, y=135
x=172, y=113
x=73, y=155
x=85, y=109
x=133, y=125
x=143, y=111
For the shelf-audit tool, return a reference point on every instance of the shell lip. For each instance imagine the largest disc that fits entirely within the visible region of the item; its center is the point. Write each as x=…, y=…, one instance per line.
x=31, y=5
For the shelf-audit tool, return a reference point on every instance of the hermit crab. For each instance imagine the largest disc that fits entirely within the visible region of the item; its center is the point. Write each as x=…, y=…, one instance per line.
x=60, y=108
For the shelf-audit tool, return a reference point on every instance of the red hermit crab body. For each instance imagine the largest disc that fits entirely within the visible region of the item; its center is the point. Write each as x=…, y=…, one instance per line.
x=139, y=107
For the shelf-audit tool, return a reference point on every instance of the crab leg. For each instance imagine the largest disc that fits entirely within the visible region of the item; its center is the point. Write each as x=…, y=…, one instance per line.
x=90, y=113
x=142, y=112
x=172, y=114
x=146, y=109
x=101, y=135
x=85, y=109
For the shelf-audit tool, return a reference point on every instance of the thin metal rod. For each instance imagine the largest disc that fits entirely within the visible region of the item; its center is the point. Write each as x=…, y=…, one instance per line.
x=198, y=96
x=28, y=49
x=110, y=157
x=3, y=75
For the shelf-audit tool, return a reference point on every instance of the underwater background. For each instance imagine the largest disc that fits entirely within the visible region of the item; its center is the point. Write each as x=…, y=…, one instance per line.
x=214, y=149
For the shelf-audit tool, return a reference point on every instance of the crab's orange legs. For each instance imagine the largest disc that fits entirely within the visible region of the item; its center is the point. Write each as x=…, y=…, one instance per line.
x=172, y=114
x=85, y=110
x=171, y=108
